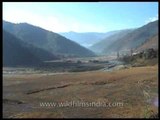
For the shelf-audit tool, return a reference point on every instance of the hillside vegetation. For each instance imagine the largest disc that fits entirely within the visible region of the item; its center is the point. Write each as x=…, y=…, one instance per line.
x=47, y=40
x=151, y=43
x=19, y=53
x=126, y=39
x=134, y=39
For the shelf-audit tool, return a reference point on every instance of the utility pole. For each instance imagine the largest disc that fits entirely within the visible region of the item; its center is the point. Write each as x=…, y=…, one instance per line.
x=117, y=54
x=131, y=52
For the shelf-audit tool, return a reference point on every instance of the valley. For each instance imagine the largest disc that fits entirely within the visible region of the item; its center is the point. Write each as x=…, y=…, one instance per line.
x=110, y=82
x=80, y=60
x=67, y=65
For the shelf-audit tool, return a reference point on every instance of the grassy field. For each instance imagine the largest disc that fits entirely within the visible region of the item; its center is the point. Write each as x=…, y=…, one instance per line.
x=135, y=88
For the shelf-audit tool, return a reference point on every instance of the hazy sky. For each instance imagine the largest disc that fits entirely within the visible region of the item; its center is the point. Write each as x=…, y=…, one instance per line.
x=81, y=16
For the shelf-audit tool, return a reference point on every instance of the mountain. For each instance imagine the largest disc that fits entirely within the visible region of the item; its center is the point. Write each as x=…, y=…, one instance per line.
x=150, y=43
x=14, y=53
x=133, y=39
x=101, y=45
x=47, y=40
x=19, y=53
x=87, y=39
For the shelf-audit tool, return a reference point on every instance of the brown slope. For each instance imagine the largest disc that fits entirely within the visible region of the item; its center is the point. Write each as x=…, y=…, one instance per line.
x=151, y=43
x=134, y=39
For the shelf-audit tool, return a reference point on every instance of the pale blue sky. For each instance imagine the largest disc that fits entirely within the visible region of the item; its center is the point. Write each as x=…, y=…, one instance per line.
x=81, y=16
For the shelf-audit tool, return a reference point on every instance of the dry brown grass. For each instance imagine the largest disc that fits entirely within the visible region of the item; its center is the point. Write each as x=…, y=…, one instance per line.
x=125, y=86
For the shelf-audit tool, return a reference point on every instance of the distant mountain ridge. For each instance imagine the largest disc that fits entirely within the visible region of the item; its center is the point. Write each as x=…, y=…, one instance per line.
x=87, y=39
x=104, y=43
x=126, y=40
x=55, y=44
x=133, y=39
x=47, y=40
